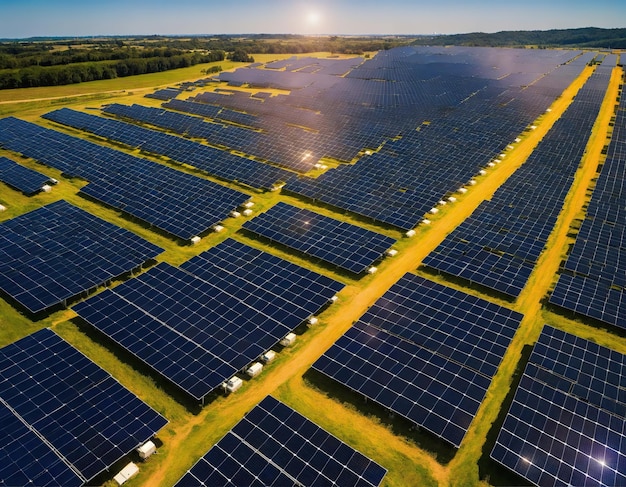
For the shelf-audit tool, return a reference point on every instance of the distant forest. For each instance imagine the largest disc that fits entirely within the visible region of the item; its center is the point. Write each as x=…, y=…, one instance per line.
x=585, y=38
x=58, y=61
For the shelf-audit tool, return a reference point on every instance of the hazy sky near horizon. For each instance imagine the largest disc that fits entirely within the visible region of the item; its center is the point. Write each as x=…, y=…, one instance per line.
x=28, y=18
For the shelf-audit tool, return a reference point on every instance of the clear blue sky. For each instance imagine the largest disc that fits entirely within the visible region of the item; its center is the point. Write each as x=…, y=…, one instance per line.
x=26, y=18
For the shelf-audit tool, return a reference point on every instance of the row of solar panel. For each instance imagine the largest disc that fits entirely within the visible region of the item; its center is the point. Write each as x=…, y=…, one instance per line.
x=426, y=352
x=493, y=247
x=593, y=279
x=214, y=161
x=180, y=204
x=565, y=425
x=64, y=420
x=164, y=94
x=55, y=253
x=21, y=178
x=200, y=324
x=275, y=445
x=265, y=146
x=339, y=243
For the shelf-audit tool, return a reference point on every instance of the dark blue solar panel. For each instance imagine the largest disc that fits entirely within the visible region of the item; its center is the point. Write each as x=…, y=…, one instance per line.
x=426, y=352
x=26, y=458
x=428, y=389
x=56, y=252
x=180, y=204
x=214, y=161
x=74, y=407
x=299, y=157
x=457, y=325
x=500, y=243
x=275, y=445
x=200, y=324
x=593, y=279
x=566, y=423
x=347, y=246
x=21, y=178
x=304, y=288
x=165, y=94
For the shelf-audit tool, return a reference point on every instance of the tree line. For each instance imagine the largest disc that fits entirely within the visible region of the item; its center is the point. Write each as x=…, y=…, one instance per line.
x=16, y=57
x=588, y=37
x=33, y=76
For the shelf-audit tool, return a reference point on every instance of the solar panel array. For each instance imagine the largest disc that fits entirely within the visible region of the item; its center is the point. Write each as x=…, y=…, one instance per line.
x=342, y=244
x=56, y=252
x=22, y=178
x=264, y=112
x=426, y=352
x=275, y=445
x=286, y=153
x=333, y=67
x=214, y=161
x=23, y=453
x=58, y=404
x=164, y=94
x=473, y=115
x=200, y=324
x=593, y=278
x=566, y=423
x=499, y=244
x=180, y=204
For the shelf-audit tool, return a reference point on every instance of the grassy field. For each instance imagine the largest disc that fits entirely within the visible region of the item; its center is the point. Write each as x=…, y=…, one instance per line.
x=411, y=458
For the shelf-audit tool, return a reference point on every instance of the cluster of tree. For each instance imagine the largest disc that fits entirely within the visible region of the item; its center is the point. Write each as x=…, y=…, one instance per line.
x=589, y=37
x=91, y=71
x=241, y=56
x=212, y=70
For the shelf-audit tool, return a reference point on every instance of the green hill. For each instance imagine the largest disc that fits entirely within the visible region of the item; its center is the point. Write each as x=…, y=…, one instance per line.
x=588, y=37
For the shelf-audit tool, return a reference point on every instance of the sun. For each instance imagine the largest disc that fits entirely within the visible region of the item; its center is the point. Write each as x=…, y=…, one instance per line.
x=313, y=18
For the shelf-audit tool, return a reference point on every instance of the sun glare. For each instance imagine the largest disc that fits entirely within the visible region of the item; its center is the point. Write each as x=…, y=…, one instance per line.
x=313, y=18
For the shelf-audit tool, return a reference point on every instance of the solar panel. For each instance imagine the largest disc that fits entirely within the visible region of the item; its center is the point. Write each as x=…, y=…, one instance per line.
x=56, y=252
x=21, y=178
x=426, y=352
x=275, y=445
x=165, y=94
x=500, y=243
x=566, y=423
x=57, y=402
x=27, y=458
x=307, y=290
x=181, y=204
x=214, y=161
x=339, y=243
x=200, y=324
x=593, y=279
x=284, y=153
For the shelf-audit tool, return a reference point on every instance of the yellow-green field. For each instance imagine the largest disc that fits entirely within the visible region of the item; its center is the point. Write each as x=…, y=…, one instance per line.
x=411, y=458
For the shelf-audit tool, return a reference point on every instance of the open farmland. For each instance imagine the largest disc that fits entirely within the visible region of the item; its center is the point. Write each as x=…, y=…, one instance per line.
x=495, y=177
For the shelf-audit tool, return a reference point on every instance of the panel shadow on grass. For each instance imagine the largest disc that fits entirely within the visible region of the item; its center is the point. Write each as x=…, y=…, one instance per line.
x=398, y=425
